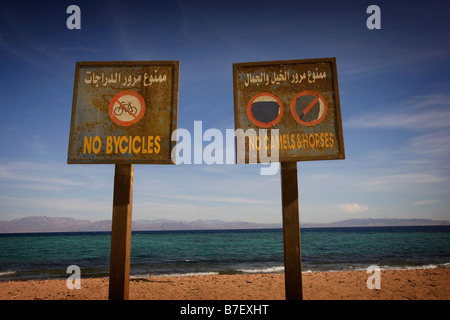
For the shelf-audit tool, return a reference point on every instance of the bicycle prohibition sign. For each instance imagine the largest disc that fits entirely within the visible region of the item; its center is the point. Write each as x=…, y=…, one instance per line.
x=126, y=108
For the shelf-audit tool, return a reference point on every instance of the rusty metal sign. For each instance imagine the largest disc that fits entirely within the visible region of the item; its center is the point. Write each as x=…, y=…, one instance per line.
x=300, y=98
x=124, y=112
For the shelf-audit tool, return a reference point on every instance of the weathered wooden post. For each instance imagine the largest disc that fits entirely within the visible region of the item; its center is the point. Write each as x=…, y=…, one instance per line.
x=121, y=232
x=291, y=231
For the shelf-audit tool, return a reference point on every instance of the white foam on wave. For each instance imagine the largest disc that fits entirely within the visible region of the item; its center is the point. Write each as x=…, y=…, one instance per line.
x=421, y=267
x=190, y=274
x=263, y=270
x=280, y=269
x=6, y=273
x=387, y=267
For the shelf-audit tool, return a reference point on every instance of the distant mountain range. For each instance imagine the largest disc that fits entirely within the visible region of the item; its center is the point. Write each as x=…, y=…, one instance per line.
x=53, y=224
x=370, y=222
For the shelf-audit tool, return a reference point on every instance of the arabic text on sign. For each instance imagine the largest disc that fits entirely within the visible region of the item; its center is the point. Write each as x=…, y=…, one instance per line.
x=266, y=78
x=123, y=79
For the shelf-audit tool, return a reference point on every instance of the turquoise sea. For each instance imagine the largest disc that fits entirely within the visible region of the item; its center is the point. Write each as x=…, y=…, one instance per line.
x=162, y=253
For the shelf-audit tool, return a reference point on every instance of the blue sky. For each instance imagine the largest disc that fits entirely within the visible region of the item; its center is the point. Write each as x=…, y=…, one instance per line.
x=394, y=92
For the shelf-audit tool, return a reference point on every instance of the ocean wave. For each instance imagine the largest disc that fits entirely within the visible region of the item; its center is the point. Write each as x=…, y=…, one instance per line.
x=280, y=269
x=188, y=274
x=384, y=268
x=6, y=273
x=418, y=267
x=276, y=269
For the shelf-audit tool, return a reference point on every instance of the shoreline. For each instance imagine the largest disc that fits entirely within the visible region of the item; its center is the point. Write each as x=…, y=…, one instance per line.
x=238, y=272
x=410, y=284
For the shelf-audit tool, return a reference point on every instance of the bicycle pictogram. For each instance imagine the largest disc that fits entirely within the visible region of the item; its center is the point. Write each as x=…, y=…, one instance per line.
x=125, y=106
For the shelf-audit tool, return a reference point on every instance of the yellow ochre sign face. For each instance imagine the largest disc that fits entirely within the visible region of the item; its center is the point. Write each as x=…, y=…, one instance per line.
x=124, y=112
x=299, y=98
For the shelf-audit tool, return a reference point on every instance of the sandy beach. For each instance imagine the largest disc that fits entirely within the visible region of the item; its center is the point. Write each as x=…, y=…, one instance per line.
x=420, y=284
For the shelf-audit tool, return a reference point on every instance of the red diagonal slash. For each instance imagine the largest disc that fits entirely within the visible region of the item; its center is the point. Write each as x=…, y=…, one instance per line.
x=309, y=107
x=126, y=109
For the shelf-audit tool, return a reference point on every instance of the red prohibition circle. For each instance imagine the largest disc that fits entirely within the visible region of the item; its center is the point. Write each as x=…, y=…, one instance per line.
x=115, y=105
x=263, y=124
x=318, y=99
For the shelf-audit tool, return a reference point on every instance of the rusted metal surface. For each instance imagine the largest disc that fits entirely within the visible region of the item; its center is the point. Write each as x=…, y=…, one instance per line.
x=124, y=112
x=298, y=97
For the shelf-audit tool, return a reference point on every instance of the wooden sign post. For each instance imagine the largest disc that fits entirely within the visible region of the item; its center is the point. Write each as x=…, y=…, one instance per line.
x=291, y=231
x=123, y=113
x=300, y=100
x=121, y=232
